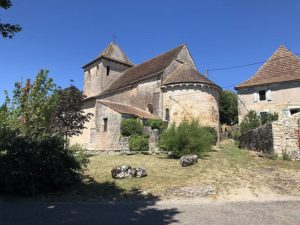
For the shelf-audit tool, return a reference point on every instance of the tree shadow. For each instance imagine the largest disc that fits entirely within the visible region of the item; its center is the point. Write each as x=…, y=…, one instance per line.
x=92, y=203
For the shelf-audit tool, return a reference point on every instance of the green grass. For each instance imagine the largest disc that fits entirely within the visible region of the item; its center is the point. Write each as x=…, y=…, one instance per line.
x=226, y=169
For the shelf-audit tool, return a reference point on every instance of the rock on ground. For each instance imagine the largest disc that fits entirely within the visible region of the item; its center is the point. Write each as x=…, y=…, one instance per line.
x=188, y=160
x=125, y=171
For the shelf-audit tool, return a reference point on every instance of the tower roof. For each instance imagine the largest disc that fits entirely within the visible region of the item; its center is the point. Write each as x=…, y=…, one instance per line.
x=187, y=74
x=113, y=52
x=282, y=66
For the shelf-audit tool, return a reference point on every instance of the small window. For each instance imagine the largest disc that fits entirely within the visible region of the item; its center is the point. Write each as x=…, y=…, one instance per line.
x=294, y=111
x=262, y=95
x=167, y=115
x=107, y=70
x=105, y=120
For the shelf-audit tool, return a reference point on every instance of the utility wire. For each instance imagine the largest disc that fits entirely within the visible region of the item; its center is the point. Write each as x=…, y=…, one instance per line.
x=246, y=65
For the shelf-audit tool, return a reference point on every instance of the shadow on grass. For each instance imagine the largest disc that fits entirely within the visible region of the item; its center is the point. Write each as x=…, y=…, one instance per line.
x=91, y=203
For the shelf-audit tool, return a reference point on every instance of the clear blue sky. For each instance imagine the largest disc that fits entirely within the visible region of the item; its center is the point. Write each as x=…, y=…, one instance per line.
x=63, y=35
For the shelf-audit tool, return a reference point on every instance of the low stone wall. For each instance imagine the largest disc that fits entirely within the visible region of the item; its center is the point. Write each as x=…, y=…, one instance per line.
x=280, y=137
x=259, y=139
x=286, y=135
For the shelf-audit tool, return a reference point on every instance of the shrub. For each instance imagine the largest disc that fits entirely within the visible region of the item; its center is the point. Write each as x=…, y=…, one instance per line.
x=252, y=120
x=214, y=133
x=266, y=117
x=138, y=143
x=157, y=124
x=131, y=127
x=30, y=166
x=187, y=138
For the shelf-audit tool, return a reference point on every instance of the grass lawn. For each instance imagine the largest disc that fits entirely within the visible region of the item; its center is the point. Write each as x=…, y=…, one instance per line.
x=226, y=169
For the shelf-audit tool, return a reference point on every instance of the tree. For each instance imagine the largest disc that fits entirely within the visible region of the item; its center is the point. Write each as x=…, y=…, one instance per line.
x=228, y=108
x=68, y=117
x=31, y=107
x=8, y=30
x=252, y=120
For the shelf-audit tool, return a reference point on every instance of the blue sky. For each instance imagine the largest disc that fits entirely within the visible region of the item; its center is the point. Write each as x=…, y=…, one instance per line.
x=61, y=36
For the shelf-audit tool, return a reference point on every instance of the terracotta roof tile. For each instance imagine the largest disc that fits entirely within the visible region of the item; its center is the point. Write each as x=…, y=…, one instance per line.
x=187, y=74
x=143, y=70
x=282, y=66
x=127, y=109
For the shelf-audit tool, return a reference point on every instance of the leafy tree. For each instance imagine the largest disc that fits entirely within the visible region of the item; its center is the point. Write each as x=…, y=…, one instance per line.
x=228, y=108
x=252, y=120
x=31, y=107
x=266, y=117
x=8, y=30
x=68, y=117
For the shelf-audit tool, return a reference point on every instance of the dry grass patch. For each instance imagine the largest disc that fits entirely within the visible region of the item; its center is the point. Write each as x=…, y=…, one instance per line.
x=228, y=169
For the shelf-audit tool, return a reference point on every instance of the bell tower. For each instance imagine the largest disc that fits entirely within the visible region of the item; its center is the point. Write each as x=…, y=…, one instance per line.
x=104, y=70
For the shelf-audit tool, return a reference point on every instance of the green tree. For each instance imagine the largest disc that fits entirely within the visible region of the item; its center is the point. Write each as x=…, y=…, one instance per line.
x=250, y=122
x=68, y=117
x=8, y=30
x=31, y=107
x=228, y=108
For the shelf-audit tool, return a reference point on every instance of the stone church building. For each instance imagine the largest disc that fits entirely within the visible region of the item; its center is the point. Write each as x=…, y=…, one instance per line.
x=167, y=86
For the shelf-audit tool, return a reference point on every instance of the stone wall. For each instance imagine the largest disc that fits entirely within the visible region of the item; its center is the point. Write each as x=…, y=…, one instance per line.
x=280, y=137
x=259, y=139
x=187, y=102
x=286, y=135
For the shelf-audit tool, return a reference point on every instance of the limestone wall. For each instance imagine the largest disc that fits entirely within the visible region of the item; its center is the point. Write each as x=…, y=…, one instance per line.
x=192, y=101
x=95, y=78
x=284, y=96
x=279, y=137
x=85, y=139
x=286, y=135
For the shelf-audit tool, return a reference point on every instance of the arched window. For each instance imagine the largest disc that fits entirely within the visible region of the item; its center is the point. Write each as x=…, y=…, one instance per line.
x=150, y=108
x=167, y=115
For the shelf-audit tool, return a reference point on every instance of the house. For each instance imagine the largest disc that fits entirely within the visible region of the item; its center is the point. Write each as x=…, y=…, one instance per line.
x=167, y=86
x=274, y=88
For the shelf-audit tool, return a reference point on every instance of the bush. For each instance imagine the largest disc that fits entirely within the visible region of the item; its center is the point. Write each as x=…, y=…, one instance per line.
x=138, y=143
x=131, y=127
x=187, y=138
x=30, y=166
x=157, y=124
x=252, y=120
x=214, y=133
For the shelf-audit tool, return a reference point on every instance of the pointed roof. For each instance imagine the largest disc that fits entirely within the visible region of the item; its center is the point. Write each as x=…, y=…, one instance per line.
x=113, y=52
x=187, y=74
x=282, y=66
x=144, y=70
x=127, y=109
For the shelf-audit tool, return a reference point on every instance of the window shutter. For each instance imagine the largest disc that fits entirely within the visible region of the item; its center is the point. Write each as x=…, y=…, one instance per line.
x=268, y=95
x=255, y=97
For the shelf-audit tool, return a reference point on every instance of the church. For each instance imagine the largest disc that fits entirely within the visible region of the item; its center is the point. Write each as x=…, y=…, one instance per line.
x=167, y=87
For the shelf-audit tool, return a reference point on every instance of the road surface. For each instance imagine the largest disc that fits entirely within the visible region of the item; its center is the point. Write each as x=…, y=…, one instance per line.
x=154, y=213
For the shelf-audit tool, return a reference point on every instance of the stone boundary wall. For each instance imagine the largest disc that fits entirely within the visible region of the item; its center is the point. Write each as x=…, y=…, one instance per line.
x=259, y=139
x=280, y=137
x=286, y=136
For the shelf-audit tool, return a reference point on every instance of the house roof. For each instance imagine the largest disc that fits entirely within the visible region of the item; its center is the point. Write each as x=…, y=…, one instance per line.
x=282, y=66
x=187, y=74
x=143, y=70
x=113, y=52
x=127, y=109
